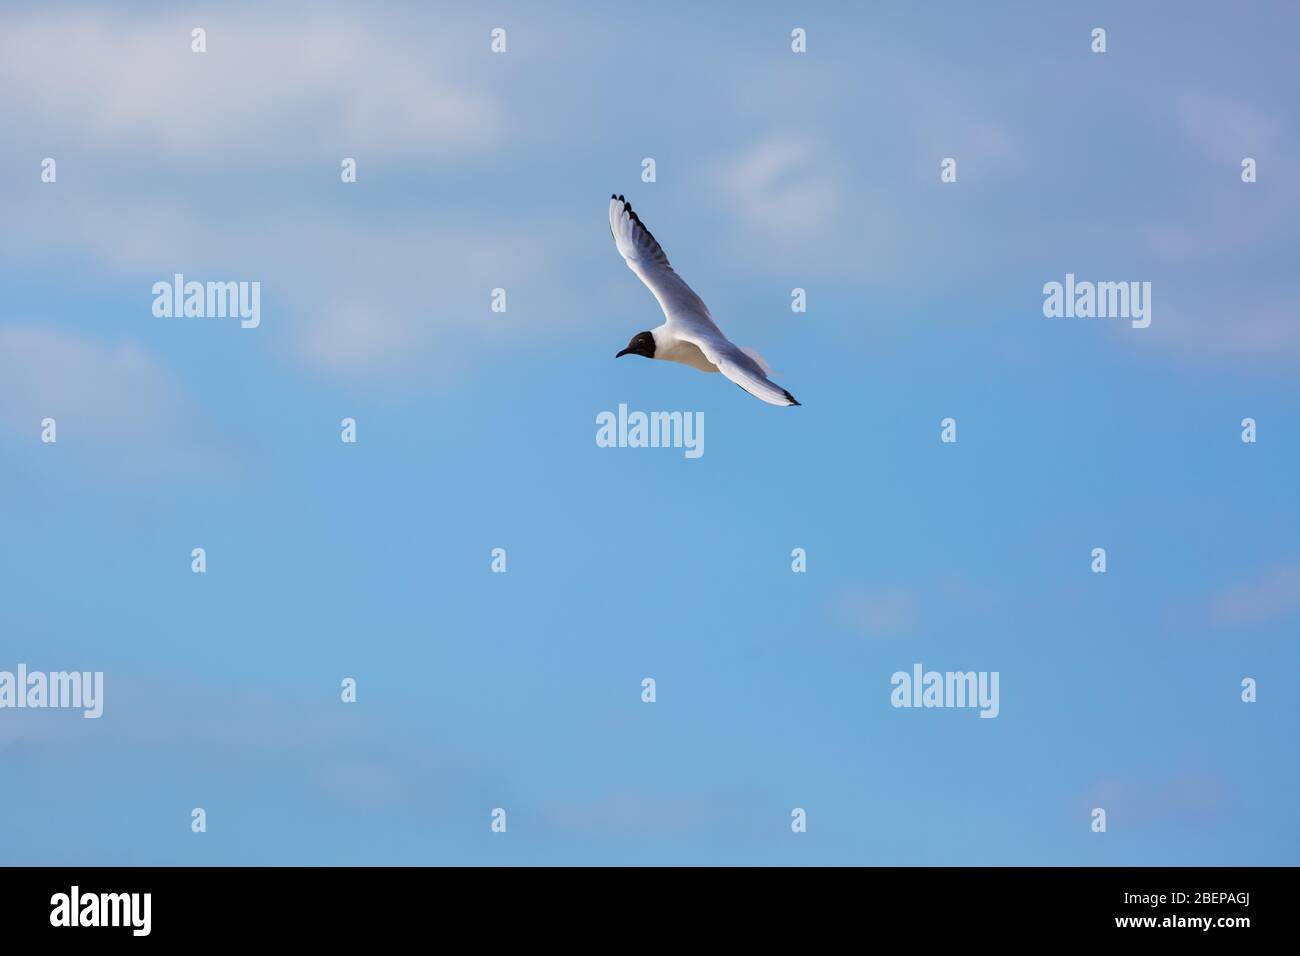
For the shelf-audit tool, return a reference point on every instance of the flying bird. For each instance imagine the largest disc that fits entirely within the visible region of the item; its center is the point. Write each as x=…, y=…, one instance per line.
x=689, y=335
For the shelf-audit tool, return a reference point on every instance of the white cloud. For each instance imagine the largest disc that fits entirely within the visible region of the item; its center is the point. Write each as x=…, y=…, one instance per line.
x=889, y=613
x=104, y=390
x=1253, y=326
x=781, y=187
x=269, y=87
x=113, y=402
x=1227, y=129
x=355, y=336
x=786, y=201
x=345, y=295
x=362, y=288
x=1272, y=595
x=1190, y=796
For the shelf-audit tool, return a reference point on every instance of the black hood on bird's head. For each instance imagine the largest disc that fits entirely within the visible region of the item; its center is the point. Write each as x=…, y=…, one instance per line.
x=643, y=343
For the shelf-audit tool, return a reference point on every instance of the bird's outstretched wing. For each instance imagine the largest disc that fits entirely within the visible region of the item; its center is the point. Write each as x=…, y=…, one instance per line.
x=646, y=258
x=735, y=363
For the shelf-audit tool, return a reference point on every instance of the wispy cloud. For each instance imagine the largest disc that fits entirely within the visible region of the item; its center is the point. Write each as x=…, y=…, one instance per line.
x=345, y=296
x=110, y=400
x=1187, y=796
x=108, y=390
x=378, y=291
x=1272, y=595
x=893, y=611
x=124, y=85
x=1226, y=129
x=886, y=613
x=245, y=726
x=782, y=186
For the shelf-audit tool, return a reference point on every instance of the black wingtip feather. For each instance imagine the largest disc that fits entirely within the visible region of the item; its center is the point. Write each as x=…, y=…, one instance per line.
x=627, y=207
x=637, y=219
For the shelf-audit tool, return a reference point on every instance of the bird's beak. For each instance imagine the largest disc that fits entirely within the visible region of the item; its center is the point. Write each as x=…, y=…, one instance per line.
x=622, y=353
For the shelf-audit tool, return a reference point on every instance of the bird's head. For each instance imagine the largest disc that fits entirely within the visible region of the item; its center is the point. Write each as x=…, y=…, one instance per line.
x=643, y=343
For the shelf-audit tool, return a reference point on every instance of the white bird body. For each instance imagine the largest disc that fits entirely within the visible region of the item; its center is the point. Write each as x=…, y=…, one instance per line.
x=672, y=349
x=689, y=335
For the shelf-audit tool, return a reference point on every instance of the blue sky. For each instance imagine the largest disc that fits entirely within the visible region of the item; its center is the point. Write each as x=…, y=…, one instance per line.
x=476, y=431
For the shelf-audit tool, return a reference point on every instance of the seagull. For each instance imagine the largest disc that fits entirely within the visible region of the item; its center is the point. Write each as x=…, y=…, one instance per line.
x=689, y=335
